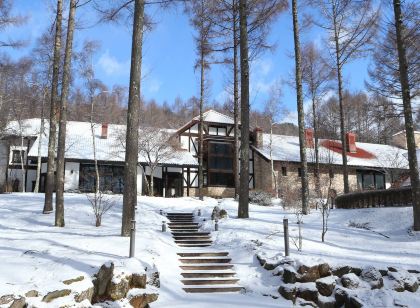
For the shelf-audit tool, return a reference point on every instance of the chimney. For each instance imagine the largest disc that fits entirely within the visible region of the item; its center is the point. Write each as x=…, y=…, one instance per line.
x=351, y=142
x=104, y=132
x=258, y=137
x=309, y=138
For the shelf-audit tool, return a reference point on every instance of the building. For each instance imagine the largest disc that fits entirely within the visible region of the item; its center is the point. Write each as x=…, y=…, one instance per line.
x=371, y=166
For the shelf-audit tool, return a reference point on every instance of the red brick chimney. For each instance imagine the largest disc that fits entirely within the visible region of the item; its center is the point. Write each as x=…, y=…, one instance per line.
x=104, y=131
x=309, y=138
x=258, y=137
x=351, y=142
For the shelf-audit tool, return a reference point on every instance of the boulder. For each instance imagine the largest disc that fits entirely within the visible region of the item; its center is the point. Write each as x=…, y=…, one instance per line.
x=307, y=291
x=397, y=282
x=308, y=273
x=341, y=270
x=289, y=274
x=350, y=281
x=73, y=280
x=223, y=214
x=278, y=271
x=138, y=281
x=355, y=270
x=102, y=280
x=141, y=300
x=325, y=285
x=87, y=294
x=118, y=287
x=269, y=266
x=18, y=303
x=383, y=272
x=154, y=279
x=372, y=276
x=218, y=213
x=55, y=294
x=341, y=296
x=5, y=299
x=392, y=269
x=324, y=270
x=411, y=283
x=32, y=293
x=355, y=302
x=326, y=302
x=288, y=291
x=305, y=303
x=261, y=259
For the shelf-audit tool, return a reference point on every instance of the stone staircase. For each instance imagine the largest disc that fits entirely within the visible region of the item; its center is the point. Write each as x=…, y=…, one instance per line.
x=204, y=271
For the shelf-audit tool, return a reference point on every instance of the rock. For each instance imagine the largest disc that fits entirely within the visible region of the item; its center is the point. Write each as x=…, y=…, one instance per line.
x=392, y=269
x=138, y=281
x=397, y=281
x=304, y=303
x=355, y=302
x=308, y=274
x=18, y=303
x=5, y=299
x=55, y=294
x=289, y=274
x=84, y=295
x=373, y=277
x=355, y=270
x=341, y=270
x=32, y=293
x=324, y=270
x=410, y=283
x=154, y=279
x=307, y=291
x=261, y=259
x=278, y=271
x=70, y=281
x=326, y=302
x=215, y=214
x=103, y=278
x=118, y=287
x=325, y=285
x=142, y=300
x=288, y=291
x=270, y=266
x=341, y=296
x=384, y=272
x=350, y=281
x=223, y=214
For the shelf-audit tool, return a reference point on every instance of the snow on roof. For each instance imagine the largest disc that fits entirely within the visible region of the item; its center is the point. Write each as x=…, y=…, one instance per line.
x=79, y=145
x=286, y=148
x=215, y=117
x=26, y=127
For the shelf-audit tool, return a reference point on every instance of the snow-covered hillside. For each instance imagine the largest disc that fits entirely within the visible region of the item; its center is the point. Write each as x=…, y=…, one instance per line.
x=36, y=255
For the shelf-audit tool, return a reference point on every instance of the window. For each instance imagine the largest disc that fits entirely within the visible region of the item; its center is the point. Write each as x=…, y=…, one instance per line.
x=368, y=180
x=111, y=178
x=16, y=156
x=216, y=130
x=283, y=171
x=331, y=173
x=220, y=164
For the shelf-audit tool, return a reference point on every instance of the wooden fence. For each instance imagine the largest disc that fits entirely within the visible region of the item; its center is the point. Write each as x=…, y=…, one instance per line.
x=375, y=198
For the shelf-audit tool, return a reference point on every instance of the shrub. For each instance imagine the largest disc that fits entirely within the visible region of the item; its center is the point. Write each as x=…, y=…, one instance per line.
x=260, y=197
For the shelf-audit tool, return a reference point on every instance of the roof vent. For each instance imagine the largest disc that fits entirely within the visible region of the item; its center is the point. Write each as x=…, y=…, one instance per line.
x=309, y=138
x=258, y=137
x=351, y=142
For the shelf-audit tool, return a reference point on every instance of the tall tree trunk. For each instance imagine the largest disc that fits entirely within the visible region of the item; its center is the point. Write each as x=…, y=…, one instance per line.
x=301, y=115
x=340, y=103
x=200, y=136
x=41, y=133
x=22, y=162
x=408, y=114
x=61, y=148
x=151, y=190
x=92, y=130
x=132, y=137
x=243, y=208
x=52, y=138
x=273, y=172
x=235, y=100
x=316, y=144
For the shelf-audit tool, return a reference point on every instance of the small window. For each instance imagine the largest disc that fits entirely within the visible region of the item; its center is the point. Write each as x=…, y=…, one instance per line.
x=331, y=173
x=283, y=171
x=300, y=172
x=16, y=156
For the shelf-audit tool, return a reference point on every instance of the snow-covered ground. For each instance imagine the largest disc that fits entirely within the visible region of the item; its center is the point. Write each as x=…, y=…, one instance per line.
x=36, y=255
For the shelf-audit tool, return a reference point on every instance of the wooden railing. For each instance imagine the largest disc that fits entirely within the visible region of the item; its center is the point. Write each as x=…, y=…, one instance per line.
x=375, y=198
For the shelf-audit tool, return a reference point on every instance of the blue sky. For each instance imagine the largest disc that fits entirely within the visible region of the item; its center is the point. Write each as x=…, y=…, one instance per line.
x=169, y=55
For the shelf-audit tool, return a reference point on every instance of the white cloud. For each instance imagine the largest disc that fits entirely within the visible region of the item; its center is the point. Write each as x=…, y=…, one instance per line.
x=111, y=66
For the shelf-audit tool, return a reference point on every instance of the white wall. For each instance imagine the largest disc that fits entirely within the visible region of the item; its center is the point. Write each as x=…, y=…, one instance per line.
x=71, y=176
x=139, y=180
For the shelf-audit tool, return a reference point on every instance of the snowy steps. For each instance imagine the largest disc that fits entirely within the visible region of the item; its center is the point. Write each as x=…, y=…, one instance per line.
x=202, y=271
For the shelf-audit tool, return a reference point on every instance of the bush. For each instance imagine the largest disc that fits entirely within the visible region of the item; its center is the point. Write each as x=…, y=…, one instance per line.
x=260, y=197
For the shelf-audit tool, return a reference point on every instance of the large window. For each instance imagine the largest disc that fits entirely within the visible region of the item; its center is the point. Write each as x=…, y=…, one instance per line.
x=220, y=164
x=368, y=180
x=17, y=155
x=111, y=178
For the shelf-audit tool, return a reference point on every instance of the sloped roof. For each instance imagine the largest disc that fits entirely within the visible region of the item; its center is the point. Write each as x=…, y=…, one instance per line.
x=286, y=148
x=79, y=145
x=26, y=127
x=213, y=116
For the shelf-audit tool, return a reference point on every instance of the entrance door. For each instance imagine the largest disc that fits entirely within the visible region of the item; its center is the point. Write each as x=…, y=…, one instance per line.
x=174, y=184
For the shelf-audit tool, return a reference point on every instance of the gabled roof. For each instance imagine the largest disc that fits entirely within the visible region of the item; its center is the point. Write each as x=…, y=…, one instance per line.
x=286, y=148
x=210, y=116
x=25, y=128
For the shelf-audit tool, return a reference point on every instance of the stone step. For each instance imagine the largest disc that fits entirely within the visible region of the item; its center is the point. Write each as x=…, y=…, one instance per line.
x=203, y=254
x=205, y=237
x=182, y=233
x=191, y=224
x=208, y=274
x=179, y=215
x=205, y=260
x=207, y=289
x=184, y=221
x=206, y=267
x=200, y=282
x=194, y=245
x=193, y=241
x=175, y=228
x=183, y=229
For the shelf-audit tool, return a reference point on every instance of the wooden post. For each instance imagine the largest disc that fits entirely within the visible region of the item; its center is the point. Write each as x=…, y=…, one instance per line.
x=286, y=236
x=132, y=238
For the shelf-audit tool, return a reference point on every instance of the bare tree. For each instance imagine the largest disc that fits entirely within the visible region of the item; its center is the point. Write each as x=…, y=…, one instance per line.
x=9, y=20
x=408, y=113
x=351, y=26
x=59, y=202
x=52, y=136
x=40, y=136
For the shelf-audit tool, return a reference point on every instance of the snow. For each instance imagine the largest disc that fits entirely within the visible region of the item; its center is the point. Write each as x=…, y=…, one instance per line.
x=36, y=255
x=286, y=148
